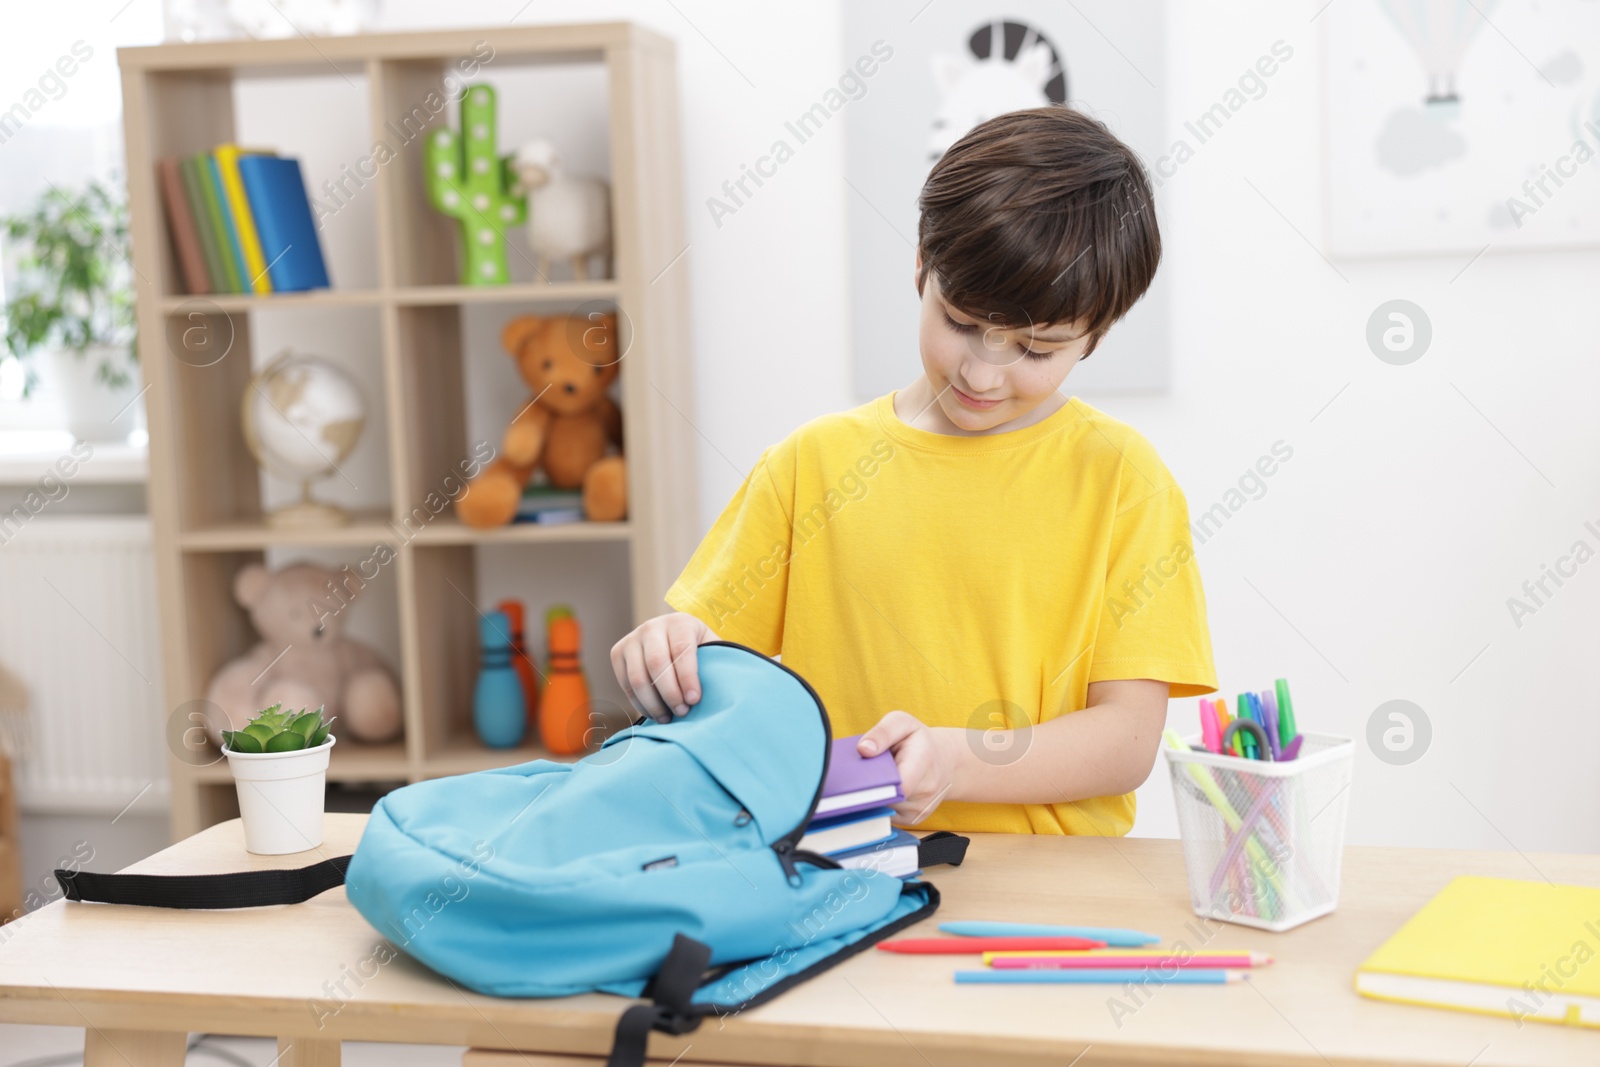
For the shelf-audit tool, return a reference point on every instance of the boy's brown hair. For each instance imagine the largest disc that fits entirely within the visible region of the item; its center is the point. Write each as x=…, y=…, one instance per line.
x=1040, y=217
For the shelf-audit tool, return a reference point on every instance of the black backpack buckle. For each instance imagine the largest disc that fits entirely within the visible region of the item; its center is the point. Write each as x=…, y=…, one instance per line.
x=671, y=992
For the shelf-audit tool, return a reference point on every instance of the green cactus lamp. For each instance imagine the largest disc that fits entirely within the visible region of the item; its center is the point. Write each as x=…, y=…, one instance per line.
x=468, y=181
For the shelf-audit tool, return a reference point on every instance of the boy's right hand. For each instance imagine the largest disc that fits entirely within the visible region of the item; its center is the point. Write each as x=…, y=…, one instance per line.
x=657, y=666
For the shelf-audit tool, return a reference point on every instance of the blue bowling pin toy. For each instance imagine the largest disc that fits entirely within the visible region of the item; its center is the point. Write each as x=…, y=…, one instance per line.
x=499, y=707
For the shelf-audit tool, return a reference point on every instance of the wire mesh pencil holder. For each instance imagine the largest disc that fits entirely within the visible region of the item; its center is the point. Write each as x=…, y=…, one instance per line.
x=1262, y=841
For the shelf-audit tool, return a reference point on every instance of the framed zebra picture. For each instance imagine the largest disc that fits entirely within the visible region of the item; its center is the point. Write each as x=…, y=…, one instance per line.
x=939, y=70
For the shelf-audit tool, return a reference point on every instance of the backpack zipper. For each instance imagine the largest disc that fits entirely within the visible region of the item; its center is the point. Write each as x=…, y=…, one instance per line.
x=786, y=846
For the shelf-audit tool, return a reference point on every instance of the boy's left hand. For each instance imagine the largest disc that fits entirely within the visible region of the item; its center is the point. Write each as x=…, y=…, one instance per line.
x=922, y=755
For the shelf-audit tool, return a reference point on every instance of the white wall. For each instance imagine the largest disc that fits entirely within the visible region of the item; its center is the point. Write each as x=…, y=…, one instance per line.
x=1377, y=564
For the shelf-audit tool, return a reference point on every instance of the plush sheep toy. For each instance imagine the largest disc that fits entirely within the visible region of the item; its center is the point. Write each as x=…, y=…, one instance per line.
x=569, y=217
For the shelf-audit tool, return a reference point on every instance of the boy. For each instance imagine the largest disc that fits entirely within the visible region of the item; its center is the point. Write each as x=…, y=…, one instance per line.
x=989, y=580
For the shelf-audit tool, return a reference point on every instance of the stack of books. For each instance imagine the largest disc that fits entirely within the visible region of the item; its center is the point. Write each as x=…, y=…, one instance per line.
x=851, y=823
x=241, y=222
x=547, y=505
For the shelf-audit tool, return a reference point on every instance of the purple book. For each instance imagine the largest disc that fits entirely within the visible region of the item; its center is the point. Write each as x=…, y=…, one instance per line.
x=856, y=782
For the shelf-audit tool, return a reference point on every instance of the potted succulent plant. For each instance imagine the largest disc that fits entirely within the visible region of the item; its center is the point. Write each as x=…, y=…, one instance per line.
x=280, y=769
x=71, y=296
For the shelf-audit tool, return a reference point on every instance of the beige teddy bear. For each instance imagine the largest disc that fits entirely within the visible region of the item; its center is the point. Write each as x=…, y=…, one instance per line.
x=303, y=661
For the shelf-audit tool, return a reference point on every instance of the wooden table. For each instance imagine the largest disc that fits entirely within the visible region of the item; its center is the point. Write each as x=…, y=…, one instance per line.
x=139, y=979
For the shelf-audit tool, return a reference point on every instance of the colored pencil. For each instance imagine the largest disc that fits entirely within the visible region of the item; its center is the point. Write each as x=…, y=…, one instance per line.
x=1070, y=960
x=972, y=946
x=1110, y=975
x=1149, y=953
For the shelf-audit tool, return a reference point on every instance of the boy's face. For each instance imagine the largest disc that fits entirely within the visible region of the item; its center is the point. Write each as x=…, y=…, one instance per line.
x=985, y=374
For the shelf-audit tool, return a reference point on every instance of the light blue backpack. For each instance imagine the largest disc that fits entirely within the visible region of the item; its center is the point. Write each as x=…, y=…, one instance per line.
x=663, y=865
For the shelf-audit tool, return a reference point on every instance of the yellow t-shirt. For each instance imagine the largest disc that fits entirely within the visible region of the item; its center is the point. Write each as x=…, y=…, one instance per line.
x=973, y=581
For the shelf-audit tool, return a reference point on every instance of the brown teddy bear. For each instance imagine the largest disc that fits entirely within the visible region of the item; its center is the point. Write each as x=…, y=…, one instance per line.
x=303, y=659
x=569, y=362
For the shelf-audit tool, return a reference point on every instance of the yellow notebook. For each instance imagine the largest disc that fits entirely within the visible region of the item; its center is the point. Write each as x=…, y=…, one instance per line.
x=239, y=206
x=1527, y=950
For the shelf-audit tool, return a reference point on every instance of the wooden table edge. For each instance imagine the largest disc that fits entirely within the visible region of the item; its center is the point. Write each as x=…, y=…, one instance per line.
x=585, y=1032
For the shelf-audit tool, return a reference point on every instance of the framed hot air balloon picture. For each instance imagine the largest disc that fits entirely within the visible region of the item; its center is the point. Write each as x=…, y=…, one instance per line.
x=1460, y=126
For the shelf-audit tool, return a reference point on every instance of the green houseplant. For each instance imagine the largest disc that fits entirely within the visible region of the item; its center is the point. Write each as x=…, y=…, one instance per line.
x=277, y=730
x=279, y=761
x=70, y=293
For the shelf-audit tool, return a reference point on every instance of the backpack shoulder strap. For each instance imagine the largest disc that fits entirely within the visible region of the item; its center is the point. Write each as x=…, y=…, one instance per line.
x=294, y=885
x=232, y=889
x=255, y=889
x=670, y=1009
x=674, y=1008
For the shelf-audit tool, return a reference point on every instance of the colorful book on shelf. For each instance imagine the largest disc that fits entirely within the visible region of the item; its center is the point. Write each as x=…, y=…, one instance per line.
x=238, y=273
x=238, y=204
x=896, y=855
x=284, y=222
x=855, y=782
x=1496, y=945
x=181, y=225
x=210, y=207
x=193, y=187
x=840, y=833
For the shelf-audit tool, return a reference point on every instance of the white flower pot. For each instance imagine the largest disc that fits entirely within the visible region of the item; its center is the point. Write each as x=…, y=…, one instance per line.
x=281, y=797
x=94, y=410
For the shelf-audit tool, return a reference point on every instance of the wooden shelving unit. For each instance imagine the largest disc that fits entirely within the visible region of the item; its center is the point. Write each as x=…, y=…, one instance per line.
x=12, y=902
x=204, y=488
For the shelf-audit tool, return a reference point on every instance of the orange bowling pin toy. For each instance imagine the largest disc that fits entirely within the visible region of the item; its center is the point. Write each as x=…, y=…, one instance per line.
x=520, y=661
x=564, y=707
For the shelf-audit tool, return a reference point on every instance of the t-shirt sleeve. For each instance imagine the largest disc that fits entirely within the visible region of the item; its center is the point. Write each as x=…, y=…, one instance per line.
x=737, y=580
x=1153, y=622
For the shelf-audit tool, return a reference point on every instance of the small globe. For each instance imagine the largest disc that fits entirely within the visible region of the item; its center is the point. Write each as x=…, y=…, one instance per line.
x=302, y=418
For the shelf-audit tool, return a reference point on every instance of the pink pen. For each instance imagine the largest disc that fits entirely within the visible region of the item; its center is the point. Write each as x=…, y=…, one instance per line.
x=1210, y=731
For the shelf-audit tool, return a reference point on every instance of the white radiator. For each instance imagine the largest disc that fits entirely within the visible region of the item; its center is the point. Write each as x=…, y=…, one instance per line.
x=78, y=625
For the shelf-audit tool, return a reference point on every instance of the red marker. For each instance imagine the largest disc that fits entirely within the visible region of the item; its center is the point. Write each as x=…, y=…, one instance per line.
x=972, y=946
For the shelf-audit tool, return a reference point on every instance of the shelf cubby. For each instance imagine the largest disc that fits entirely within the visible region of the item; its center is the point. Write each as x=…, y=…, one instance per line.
x=214, y=356
x=437, y=382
